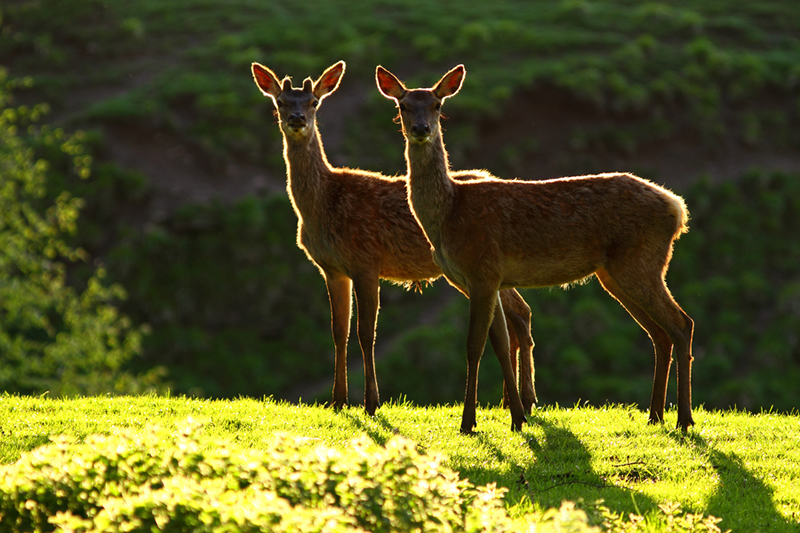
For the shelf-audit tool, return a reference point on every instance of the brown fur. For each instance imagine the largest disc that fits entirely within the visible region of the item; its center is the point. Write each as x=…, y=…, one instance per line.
x=356, y=227
x=491, y=234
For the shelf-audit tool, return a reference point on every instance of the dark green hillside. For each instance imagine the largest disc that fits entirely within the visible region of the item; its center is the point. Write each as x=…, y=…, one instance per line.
x=610, y=79
x=185, y=204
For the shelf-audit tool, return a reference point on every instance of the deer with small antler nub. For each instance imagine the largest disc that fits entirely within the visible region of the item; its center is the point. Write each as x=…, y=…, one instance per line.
x=356, y=227
x=490, y=234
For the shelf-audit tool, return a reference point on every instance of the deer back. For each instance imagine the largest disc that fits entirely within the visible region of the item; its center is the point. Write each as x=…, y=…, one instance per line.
x=556, y=231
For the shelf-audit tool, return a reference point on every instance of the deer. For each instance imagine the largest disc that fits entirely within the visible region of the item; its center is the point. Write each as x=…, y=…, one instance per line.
x=356, y=227
x=490, y=235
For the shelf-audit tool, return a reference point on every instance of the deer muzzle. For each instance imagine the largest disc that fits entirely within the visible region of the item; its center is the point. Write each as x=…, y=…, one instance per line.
x=296, y=122
x=420, y=132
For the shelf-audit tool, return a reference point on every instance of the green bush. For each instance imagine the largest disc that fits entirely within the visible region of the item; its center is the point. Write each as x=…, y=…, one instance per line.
x=736, y=275
x=174, y=481
x=53, y=336
x=234, y=306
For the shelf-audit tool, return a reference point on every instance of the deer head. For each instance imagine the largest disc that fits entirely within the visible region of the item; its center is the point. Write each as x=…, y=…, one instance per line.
x=297, y=108
x=420, y=109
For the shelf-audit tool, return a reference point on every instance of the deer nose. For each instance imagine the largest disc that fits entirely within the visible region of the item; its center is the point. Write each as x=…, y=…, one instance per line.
x=296, y=120
x=420, y=130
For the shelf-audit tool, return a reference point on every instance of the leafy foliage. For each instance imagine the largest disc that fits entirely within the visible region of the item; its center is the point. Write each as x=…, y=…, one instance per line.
x=739, y=275
x=670, y=519
x=175, y=482
x=234, y=306
x=52, y=336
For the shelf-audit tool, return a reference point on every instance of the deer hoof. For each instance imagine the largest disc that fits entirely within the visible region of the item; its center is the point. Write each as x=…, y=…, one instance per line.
x=370, y=408
x=468, y=428
x=516, y=425
x=683, y=425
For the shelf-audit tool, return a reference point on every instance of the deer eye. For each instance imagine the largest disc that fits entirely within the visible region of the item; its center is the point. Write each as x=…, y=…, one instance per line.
x=315, y=103
x=402, y=107
x=438, y=106
x=280, y=104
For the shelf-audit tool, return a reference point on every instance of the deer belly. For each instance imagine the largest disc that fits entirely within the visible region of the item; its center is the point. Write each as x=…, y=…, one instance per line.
x=546, y=272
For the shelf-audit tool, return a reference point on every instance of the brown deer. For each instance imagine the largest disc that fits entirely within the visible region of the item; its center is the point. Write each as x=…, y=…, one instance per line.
x=491, y=234
x=356, y=227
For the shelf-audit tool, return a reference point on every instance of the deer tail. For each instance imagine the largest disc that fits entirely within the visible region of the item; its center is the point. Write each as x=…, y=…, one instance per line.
x=679, y=211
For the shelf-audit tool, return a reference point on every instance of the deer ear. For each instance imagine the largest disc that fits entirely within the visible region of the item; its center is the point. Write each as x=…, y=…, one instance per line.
x=329, y=80
x=389, y=85
x=266, y=80
x=450, y=83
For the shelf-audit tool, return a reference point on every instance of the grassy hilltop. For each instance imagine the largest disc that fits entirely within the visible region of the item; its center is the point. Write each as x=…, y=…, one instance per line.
x=735, y=466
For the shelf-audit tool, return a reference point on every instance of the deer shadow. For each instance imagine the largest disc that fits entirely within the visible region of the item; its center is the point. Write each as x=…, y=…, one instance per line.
x=560, y=469
x=559, y=460
x=741, y=495
x=378, y=437
x=563, y=471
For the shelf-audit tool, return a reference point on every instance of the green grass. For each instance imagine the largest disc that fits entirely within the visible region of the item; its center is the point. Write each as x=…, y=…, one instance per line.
x=741, y=467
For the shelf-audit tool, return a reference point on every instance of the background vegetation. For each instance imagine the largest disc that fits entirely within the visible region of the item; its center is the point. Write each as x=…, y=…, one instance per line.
x=184, y=205
x=54, y=336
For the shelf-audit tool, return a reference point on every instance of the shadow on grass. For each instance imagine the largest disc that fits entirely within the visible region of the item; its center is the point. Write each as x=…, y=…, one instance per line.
x=16, y=445
x=563, y=471
x=742, y=500
x=378, y=437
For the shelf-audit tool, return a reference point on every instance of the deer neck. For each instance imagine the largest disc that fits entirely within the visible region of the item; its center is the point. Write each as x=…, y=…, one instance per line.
x=307, y=167
x=431, y=190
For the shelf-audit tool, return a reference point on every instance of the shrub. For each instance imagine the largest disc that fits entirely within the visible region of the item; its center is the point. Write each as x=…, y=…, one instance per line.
x=52, y=336
x=225, y=289
x=174, y=481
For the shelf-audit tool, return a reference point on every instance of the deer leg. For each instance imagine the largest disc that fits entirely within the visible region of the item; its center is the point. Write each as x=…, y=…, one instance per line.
x=513, y=353
x=498, y=333
x=513, y=346
x=339, y=294
x=680, y=328
x=685, y=418
x=518, y=316
x=651, y=294
x=367, y=291
x=661, y=343
x=481, y=306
